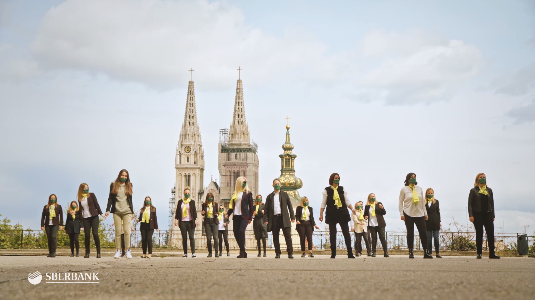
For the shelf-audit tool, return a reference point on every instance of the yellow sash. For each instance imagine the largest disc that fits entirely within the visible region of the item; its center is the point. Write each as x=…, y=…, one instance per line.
x=146, y=215
x=256, y=210
x=415, y=198
x=305, y=213
x=483, y=190
x=52, y=211
x=361, y=215
x=185, y=209
x=210, y=212
x=372, y=208
x=234, y=198
x=336, y=197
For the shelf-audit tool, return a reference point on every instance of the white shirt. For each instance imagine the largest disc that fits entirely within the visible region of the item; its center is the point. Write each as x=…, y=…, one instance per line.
x=237, y=205
x=372, y=221
x=406, y=205
x=221, y=227
x=276, y=204
x=324, y=201
x=85, y=208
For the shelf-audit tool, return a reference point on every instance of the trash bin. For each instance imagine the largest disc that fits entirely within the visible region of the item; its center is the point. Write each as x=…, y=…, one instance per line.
x=522, y=244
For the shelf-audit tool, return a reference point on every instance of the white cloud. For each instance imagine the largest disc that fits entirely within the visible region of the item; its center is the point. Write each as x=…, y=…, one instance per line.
x=520, y=83
x=16, y=67
x=523, y=114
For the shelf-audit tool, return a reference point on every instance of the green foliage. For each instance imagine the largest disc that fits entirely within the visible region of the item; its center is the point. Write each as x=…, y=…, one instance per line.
x=462, y=243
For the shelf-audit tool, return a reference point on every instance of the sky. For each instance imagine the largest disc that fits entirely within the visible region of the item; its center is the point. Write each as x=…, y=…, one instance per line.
x=374, y=90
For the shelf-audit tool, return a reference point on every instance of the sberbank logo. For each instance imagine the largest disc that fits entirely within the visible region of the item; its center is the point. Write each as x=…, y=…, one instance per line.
x=69, y=277
x=35, y=278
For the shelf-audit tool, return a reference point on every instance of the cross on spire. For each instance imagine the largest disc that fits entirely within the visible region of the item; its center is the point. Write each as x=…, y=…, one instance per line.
x=287, y=122
x=191, y=71
x=239, y=72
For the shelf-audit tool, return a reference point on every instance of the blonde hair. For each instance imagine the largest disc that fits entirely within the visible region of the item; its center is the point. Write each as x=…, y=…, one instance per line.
x=70, y=206
x=303, y=199
x=368, y=201
x=430, y=189
x=239, y=182
x=477, y=177
x=356, y=203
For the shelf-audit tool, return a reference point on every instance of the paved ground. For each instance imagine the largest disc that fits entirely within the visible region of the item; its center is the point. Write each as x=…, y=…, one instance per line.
x=397, y=277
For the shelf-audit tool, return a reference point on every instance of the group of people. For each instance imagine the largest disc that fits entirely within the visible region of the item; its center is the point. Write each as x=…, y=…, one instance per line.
x=276, y=214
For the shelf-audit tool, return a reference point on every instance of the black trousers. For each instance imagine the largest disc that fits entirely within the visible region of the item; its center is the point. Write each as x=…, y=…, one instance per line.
x=332, y=236
x=52, y=237
x=278, y=224
x=422, y=231
x=486, y=220
x=188, y=228
x=91, y=226
x=211, y=229
x=223, y=235
x=305, y=232
x=240, y=224
x=74, y=242
x=146, y=237
x=122, y=244
x=358, y=242
x=374, y=230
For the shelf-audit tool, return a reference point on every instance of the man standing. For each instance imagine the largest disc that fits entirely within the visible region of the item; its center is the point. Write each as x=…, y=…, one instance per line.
x=279, y=214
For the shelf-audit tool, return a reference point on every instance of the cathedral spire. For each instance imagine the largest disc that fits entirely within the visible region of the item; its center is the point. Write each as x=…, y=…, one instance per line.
x=239, y=130
x=190, y=132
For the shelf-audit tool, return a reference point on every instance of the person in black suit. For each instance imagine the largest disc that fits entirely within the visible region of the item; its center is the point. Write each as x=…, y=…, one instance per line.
x=186, y=220
x=433, y=222
x=223, y=230
x=52, y=222
x=335, y=203
x=305, y=225
x=241, y=206
x=481, y=212
x=210, y=211
x=259, y=228
x=72, y=227
x=374, y=212
x=149, y=223
x=90, y=211
x=280, y=215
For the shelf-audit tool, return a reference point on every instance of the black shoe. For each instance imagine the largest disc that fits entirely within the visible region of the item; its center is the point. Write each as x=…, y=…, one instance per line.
x=310, y=255
x=216, y=254
x=333, y=255
x=72, y=255
x=427, y=255
x=277, y=256
x=53, y=254
x=494, y=256
x=303, y=255
x=244, y=254
x=369, y=254
x=98, y=255
x=259, y=254
x=49, y=255
x=86, y=255
x=228, y=253
x=290, y=256
x=350, y=255
x=438, y=256
x=411, y=254
x=209, y=255
x=77, y=254
x=386, y=254
x=478, y=256
x=373, y=254
x=265, y=255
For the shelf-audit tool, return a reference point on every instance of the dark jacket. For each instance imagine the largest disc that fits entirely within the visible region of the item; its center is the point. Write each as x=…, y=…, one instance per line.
x=433, y=214
x=379, y=213
x=333, y=214
x=246, y=206
x=192, y=210
x=112, y=199
x=92, y=203
x=215, y=212
x=260, y=215
x=474, y=202
x=73, y=226
x=299, y=214
x=153, y=220
x=287, y=210
x=57, y=220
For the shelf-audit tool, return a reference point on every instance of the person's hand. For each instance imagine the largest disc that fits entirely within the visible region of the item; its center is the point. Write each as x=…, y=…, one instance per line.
x=137, y=220
x=203, y=212
x=72, y=213
x=224, y=224
x=262, y=211
x=61, y=228
x=354, y=211
x=196, y=222
x=265, y=223
x=402, y=218
x=293, y=221
x=176, y=222
x=317, y=227
x=249, y=222
x=298, y=222
x=321, y=218
x=426, y=218
x=493, y=219
x=104, y=216
x=352, y=229
x=365, y=217
x=42, y=228
x=226, y=216
x=381, y=206
x=107, y=214
x=157, y=230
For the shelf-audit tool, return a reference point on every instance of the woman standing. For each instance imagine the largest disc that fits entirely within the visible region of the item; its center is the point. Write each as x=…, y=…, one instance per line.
x=120, y=205
x=223, y=230
x=481, y=212
x=361, y=229
x=305, y=225
x=149, y=223
x=241, y=205
x=336, y=202
x=375, y=212
x=186, y=220
x=210, y=211
x=88, y=204
x=72, y=227
x=259, y=228
x=433, y=222
x=412, y=211
x=52, y=222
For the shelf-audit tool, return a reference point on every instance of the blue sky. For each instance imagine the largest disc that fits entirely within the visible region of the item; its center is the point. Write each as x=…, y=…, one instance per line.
x=374, y=90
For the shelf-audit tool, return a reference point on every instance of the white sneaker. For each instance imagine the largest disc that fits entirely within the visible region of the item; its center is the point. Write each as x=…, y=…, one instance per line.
x=185, y=256
x=128, y=253
x=193, y=256
x=117, y=254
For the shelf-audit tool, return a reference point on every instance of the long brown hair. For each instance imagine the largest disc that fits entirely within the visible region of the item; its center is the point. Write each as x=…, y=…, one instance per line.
x=152, y=208
x=477, y=177
x=127, y=185
x=208, y=196
x=81, y=190
x=70, y=206
x=50, y=203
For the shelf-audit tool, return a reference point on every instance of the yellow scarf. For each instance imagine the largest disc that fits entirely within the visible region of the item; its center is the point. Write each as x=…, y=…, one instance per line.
x=361, y=215
x=429, y=201
x=305, y=213
x=220, y=216
x=234, y=198
x=210, y=212
x=256, y=210
x=84, y=196
x=372, y=208
x=185, y=209
x=74, y=216
x=415, y=198
x=483, y=190
x=52, y=211
x=146, y=215
x=336, y=197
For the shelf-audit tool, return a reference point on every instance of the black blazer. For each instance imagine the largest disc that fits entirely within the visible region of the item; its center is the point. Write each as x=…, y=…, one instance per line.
x=433, y=216
x=215, y=212
x=299, y=214
x=192, y=210
x=379, y=213
x=246, y=206
x=57, y=220
x=92, y=203
x=287, y=210
x=73, y=226
x=153, y=220
x=474, y=202
x=112, y=199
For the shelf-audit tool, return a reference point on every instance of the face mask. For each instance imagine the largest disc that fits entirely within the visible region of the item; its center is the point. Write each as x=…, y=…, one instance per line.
x=86, y=191
x=306, y=203
x=412, y=180
x=337, y=181
x=482, y=180
x=221, y=210
x=259, y=200
x=186, y=196
x=277, y=187
x=123, y=179
x=53, y=200
x=244, y=184
x=359, y=207
x=147, y=202
x=429, y=196
x=372, y=199
x=73, y=206
x=210, y=199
